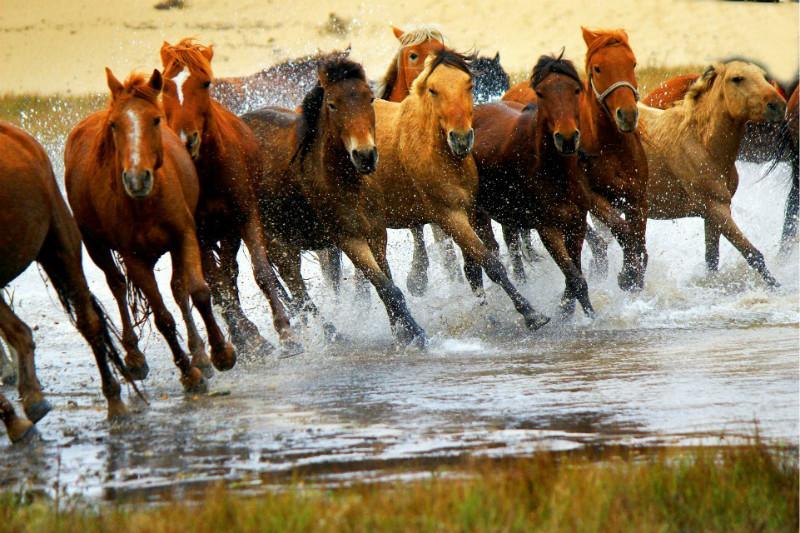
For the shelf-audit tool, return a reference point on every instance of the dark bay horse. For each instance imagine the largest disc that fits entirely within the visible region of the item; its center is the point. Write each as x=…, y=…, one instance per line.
x=229, y=165
x=318, y=190
x=37, y=226
x=133, y=189
x=491, y=80
x=427, y=173
x=529, y=173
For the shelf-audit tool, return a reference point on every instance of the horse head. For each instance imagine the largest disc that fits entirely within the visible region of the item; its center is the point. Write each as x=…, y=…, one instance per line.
x=558, y=91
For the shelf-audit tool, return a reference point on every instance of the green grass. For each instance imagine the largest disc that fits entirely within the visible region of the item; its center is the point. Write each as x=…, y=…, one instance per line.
x=730, y=489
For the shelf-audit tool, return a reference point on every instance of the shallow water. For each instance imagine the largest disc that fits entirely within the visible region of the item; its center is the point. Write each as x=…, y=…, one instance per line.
x=692, y=358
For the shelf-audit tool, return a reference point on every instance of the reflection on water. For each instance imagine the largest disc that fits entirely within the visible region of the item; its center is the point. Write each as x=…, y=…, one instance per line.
x=691, y=356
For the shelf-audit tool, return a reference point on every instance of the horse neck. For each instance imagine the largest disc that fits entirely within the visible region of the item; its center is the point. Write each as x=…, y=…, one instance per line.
x=602, y=130
x=335, y=164
x=400, y=87
x=211, y=146
x=422, y=129
x=525, y=135
x=719, y=132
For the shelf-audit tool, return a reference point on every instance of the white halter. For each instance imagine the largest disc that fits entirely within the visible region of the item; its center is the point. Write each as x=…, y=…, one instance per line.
x=601, y=97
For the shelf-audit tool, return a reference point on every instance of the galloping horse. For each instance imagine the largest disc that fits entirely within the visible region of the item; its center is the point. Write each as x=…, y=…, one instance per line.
x=37, y=226
x=317, y=186
x=228, y=163
x=691, y=150
x=133, y=189
x=427, y=173
x=529, y=173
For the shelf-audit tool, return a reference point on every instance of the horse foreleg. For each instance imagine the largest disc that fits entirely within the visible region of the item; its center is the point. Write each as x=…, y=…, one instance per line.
x=141, y=274
x=790, y=217
x=188, y=280
x=574, y=235
x=456, y=224
x=576, y=287
x=634, y=248
x=266, y=279
x=404, y=326
x=134, y=358
x=599, y=247
x=19, y=336
x=448, y=251
x=720, y=215
x=330, y=263
x=8, y=368
x=511, y=236
x=417, y=280
x=712, y=235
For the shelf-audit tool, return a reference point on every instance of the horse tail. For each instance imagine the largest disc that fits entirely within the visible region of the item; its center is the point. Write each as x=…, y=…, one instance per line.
x=140, y=307
x=785, y=142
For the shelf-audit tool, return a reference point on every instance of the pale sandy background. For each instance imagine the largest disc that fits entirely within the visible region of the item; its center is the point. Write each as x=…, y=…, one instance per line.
x=62, y=46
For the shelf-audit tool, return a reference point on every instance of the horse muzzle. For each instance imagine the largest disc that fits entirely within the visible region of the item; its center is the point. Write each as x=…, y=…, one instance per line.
x=775, y=110
x=567, y=144
x=138, y=184
x=626, y=119
x=365, y=161
x=461, y=143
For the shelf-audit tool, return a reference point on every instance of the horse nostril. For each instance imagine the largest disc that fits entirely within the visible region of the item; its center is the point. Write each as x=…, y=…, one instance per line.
x=558, y=136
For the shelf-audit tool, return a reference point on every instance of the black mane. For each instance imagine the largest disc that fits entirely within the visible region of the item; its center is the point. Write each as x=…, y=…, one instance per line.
x=335, y=68
x=553, y=64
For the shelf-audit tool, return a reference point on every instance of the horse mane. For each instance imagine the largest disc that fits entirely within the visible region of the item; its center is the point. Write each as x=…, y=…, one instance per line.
x=187, y=53
x=702, y=86
x=135, y=86
x=604, y=39
x=553, y=64
x=449, y=58
x=413, y=37
x=336, y=67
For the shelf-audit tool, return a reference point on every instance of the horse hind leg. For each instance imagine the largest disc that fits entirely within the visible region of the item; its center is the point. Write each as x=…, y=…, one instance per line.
x=598, y=245
x=61, y=260
x=417, y=281
x=712, y=235
x=196, y=346
x=8, y=369
x=19, y=336
x=790, y=220
x=330, y=263
x=512, y=238
x=448, y=251
x=18, y=428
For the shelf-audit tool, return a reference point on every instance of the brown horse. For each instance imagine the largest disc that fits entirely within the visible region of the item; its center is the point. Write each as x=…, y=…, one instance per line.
x=228, y=163
x=529, y=173
x=691, y=150
x=37, y=226
x=317, y=187
x=427, y=173
x=133, y=190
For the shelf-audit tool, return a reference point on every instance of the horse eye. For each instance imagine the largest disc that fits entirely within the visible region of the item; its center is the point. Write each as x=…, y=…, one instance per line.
x=206, y=85
x=539, y=94
x=412, y=56
x=156, y=121
x=372, y=99
x=737, y=79
x=597, y=70
x=331, y=106
x=577, y=90
x=433, y=92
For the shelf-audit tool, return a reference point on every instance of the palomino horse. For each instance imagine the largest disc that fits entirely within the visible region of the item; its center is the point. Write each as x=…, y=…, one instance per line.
x=317, y=187
x=529, y=173
x=691, y=150
x=228, y=163
x=37, y=226
x=427, y=173
x=133, y=190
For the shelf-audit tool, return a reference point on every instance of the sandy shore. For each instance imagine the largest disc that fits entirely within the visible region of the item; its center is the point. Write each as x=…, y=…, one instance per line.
x=62, y=46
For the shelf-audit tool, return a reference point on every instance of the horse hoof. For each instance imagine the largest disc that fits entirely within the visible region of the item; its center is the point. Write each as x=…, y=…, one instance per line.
x=290, y=349
x=194, y=383
x=225, y=358
x=138, y=372
x=629, y=283
x=21, y=430
x=117, y=409
x=9, y=380
x=200, y=360
x=536, y=321
x=255, y=346
x=38, y=410
x=412, y=336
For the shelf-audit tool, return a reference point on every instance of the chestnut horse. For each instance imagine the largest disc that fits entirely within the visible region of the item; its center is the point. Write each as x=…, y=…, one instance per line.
x=133, y=190
x=427, y=173
x=228, y=163
x=317, y=188
x=692, y=147
x=530, y=177
x=37, y=226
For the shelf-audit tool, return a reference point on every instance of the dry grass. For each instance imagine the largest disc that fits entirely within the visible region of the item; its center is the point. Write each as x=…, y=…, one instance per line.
x=732, y=489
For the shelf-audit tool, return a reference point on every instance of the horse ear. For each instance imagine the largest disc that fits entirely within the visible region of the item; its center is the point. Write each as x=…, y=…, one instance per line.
x=497, y=58
x=589, y=36
x=398, y=33
x=164, y=54
x=208, y=52
x=113, y=84
x=323, y=77
x=156, y=82
x=709, y=74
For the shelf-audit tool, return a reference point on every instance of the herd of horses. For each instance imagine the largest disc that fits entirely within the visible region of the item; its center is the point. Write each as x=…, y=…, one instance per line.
x=184, y=164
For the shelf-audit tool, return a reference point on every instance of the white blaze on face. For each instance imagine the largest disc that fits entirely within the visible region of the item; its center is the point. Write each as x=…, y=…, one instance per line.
x=135, y=136
x=180, y=80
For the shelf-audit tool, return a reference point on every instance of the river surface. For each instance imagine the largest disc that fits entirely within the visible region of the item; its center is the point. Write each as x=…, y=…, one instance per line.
x=693, y=358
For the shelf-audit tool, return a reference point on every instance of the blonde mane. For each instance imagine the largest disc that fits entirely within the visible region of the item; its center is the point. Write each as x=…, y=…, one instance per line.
x=412, y=37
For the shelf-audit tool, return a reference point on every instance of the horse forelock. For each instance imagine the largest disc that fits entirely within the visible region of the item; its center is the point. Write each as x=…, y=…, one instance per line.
x=552, y=64
x=449, y=58
x=188, y=53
